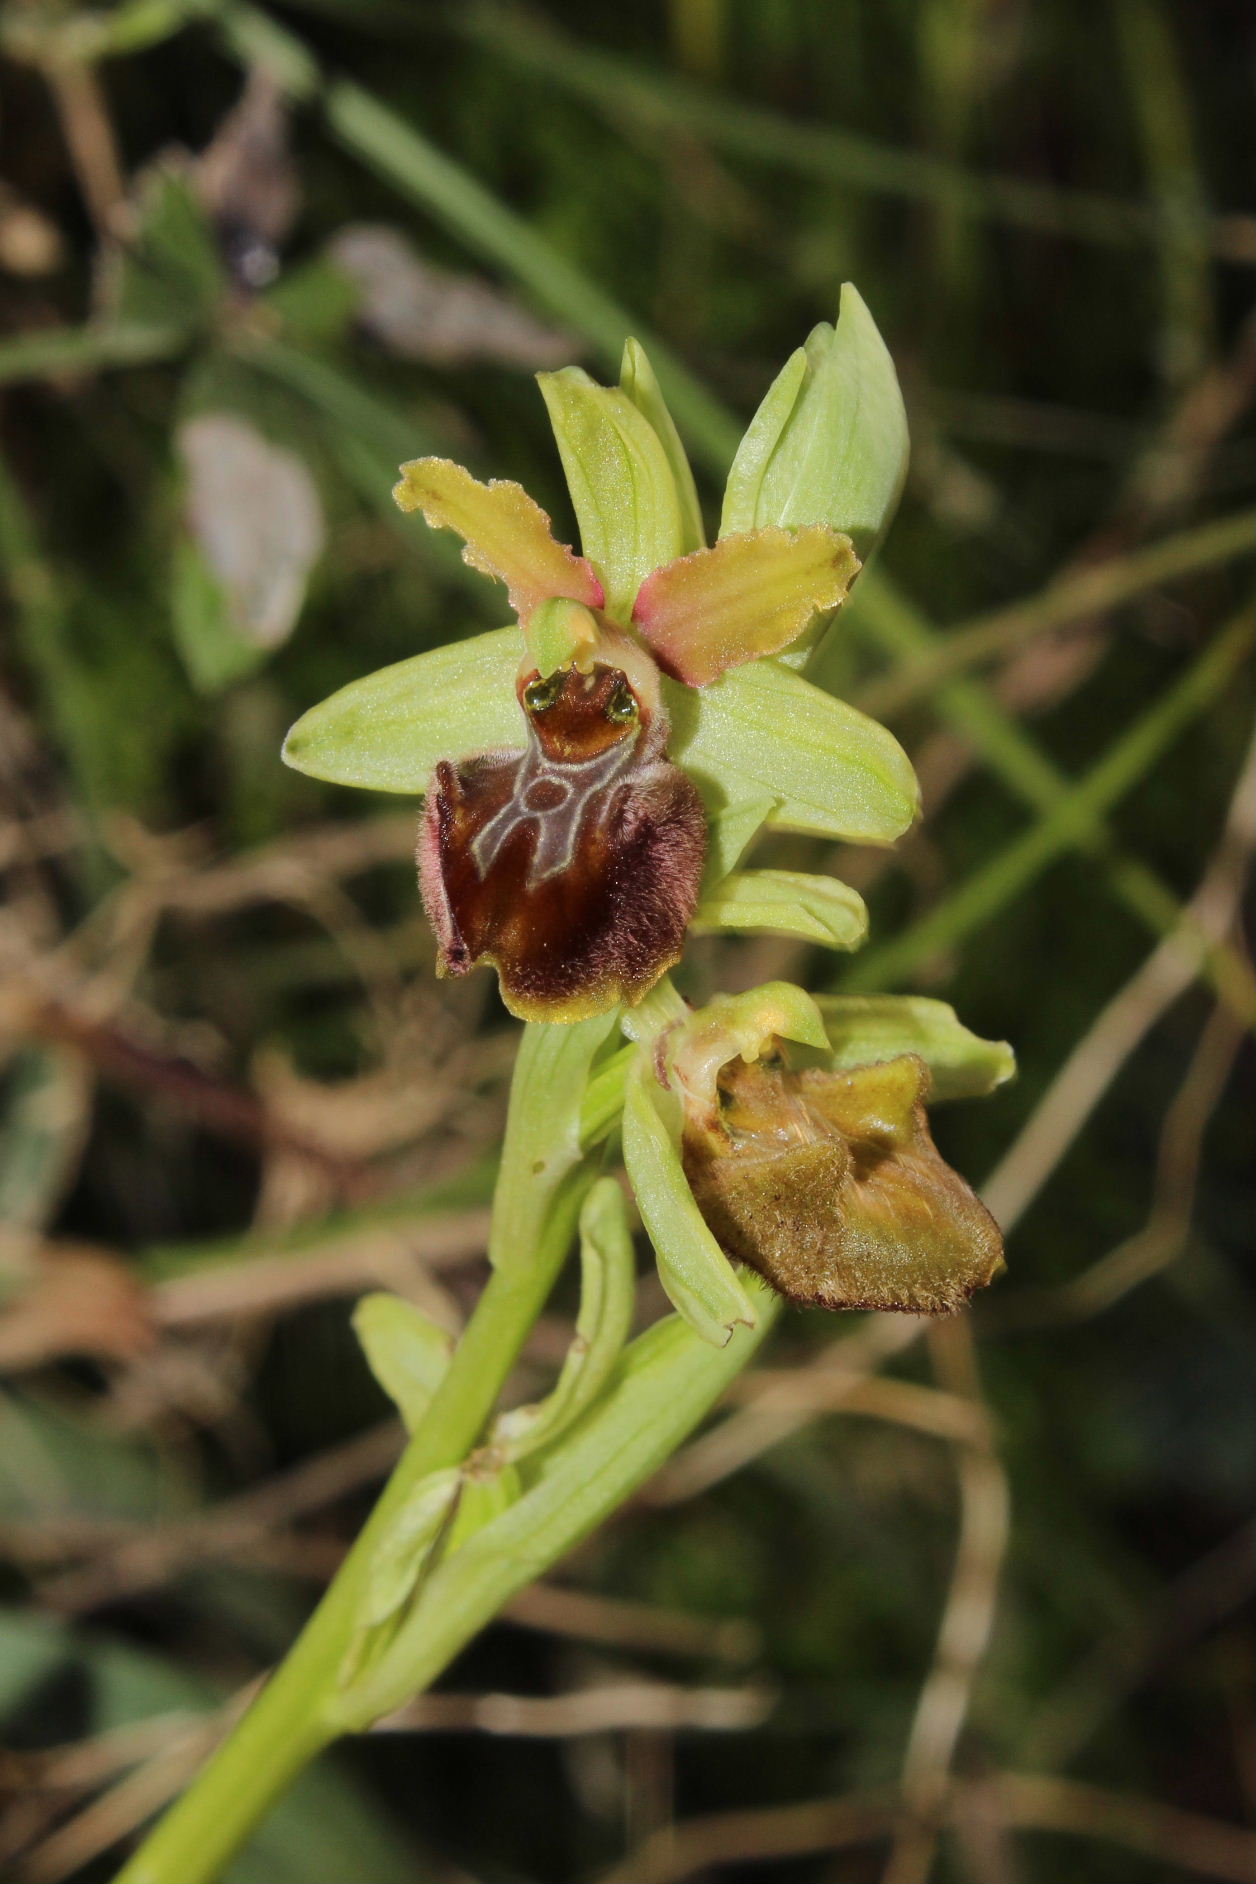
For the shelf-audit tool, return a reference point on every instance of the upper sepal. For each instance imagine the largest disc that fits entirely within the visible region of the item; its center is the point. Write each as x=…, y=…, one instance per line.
x=631, y=513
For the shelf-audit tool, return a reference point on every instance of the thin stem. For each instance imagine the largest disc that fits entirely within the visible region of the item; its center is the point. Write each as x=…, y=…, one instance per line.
x=293, y=1720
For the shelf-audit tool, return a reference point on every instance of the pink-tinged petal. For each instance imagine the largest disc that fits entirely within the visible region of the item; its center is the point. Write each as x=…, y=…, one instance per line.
x=507, y=534
x=750, y=595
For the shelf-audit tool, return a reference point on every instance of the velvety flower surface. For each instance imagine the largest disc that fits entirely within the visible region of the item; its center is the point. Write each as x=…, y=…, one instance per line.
x=573, y=866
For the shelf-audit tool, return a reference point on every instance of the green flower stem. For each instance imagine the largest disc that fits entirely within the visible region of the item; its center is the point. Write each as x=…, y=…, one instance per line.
x=294, y=1718
x=666, y=1382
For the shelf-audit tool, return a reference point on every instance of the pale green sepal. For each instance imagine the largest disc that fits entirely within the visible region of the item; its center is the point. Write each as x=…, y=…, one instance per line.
x=636, y=378
x=699, y=1279
x=542, y=1146
x=607, y=1287
x=866, y=1028
x=405, y=1547
x=405, y=1350
x=835, y=451
x=387, y=730
x=620, y=481
x=759, y=441
x=787, y=902
x=760, y=731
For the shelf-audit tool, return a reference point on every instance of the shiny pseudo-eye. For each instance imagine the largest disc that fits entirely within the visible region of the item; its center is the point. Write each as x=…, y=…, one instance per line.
x=621, y=708
x=572, y=866
x=539, y=695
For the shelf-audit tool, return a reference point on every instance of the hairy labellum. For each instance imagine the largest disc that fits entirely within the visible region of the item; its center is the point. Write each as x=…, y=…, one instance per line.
x=572, y=866
x=830, y=1186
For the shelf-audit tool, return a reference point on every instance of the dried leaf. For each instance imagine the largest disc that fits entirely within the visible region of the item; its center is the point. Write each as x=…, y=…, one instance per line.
x=247, y=182
x=425, y=313
x=254, y=513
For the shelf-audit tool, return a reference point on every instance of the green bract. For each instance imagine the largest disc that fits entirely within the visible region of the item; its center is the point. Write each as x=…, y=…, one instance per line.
x=829, y=443
x=607, y=1283
x=405, y=1350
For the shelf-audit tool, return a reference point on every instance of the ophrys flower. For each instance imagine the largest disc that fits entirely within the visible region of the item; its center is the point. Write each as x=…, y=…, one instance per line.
x=570, y=763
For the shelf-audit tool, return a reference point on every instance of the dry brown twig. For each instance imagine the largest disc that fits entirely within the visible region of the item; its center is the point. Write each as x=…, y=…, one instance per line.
x=967, y=1618
x=780, y=1406
x=610, y=1707
x=1028, y=1802
x=1121, y=1026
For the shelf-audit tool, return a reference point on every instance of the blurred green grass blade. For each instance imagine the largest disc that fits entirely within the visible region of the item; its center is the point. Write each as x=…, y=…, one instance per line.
x=1069, y=599
x=88, y=349
x=396, y=151
x=1071, y=820
x=883, y=617
x=44, y=1115
x=1156, y=81
x=659, y=103
x=386, y=429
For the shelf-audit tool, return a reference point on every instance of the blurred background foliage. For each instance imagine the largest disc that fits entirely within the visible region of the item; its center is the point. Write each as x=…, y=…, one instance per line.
x=966, y=1604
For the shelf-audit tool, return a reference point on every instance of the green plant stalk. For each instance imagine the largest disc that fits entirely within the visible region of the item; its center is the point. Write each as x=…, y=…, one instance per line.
x=663, y=1385
x=292, y=1720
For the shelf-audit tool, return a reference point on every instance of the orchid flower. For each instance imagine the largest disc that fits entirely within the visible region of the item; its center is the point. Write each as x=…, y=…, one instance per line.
x=593, y=773
x=789, y=1134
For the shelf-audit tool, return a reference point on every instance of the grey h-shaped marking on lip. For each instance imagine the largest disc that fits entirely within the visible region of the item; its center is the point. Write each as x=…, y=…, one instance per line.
x=557, y=824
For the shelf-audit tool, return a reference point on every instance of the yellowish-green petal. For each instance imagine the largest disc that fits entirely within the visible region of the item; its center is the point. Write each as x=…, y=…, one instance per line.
x=749, y=596
x=506, y=533
x=864, y=1029
x=787, y=902
x=387, y=730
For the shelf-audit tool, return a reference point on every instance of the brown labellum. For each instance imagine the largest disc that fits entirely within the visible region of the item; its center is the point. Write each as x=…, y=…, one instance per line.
x=572, y=866
x=830, y=1186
